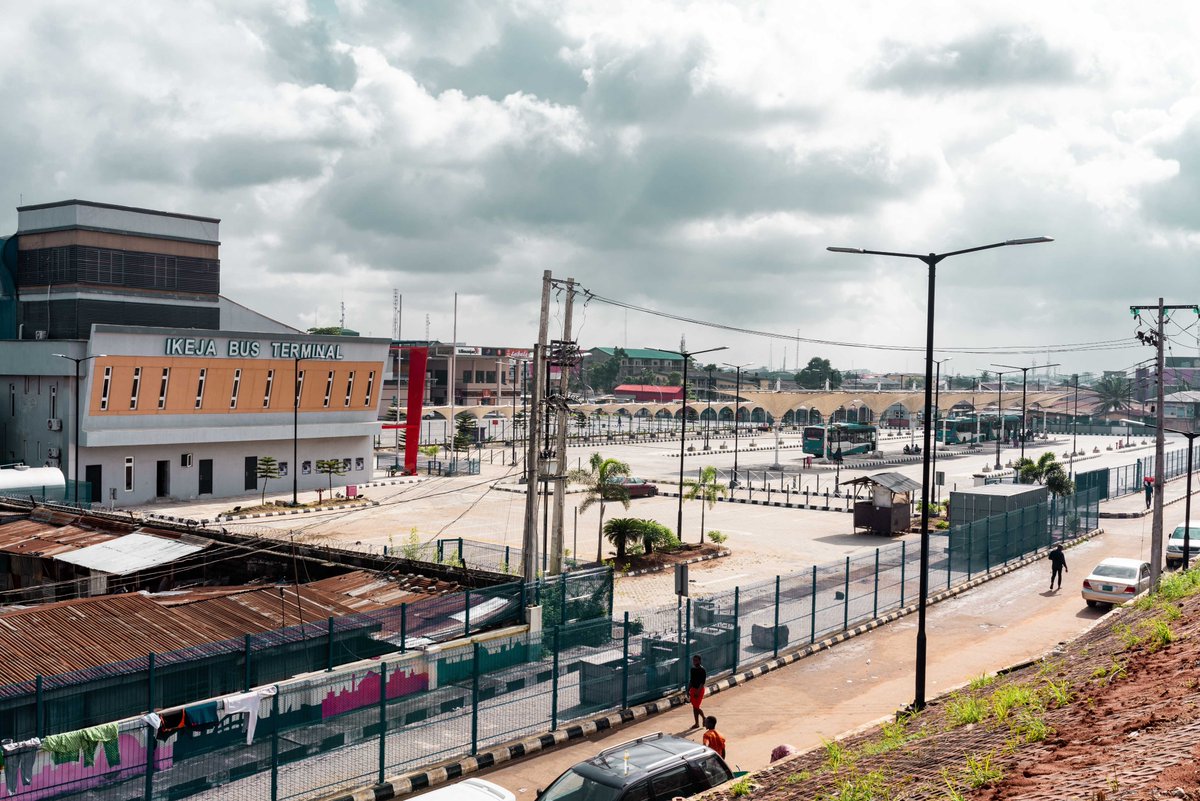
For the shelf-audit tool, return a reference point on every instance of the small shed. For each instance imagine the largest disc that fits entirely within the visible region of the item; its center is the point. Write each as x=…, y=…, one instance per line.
x=888, y=510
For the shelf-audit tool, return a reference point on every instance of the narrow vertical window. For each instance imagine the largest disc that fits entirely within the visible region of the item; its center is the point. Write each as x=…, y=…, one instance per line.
x=237, y=384
x=162, y=388
x=328, y=388
x=129, y=474
x=267, y=393
x=104, y=387
x=349, y=388
x=54, y=401
x=137, y=385
x=12, y=400
x=299, y=387
x=200, y=387
x=370, y=386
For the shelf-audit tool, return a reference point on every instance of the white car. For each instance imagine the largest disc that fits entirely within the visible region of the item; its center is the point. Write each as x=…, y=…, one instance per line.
x=470, y=790
x=1115, y=581
x=1175, y=544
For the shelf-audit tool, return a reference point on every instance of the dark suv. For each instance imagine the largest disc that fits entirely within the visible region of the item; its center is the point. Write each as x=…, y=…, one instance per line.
x=657, y=767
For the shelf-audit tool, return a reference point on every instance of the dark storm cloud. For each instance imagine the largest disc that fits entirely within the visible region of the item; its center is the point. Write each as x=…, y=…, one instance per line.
x=526, y=58
x=988, y=59
x=1174, y=201
x=227, y=162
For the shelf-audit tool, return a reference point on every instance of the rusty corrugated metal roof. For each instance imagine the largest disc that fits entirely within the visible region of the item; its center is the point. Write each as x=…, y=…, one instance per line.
x=364, y=590
x=34, y=538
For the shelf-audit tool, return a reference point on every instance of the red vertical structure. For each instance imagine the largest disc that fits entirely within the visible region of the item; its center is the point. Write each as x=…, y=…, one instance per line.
x=417, y=359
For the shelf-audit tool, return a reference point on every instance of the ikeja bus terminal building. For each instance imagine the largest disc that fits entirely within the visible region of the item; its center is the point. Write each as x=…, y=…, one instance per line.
x=181, y=390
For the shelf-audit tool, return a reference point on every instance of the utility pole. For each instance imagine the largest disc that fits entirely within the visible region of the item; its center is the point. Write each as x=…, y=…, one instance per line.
x=1155, y=340
x=563, y=357
x=529, y=543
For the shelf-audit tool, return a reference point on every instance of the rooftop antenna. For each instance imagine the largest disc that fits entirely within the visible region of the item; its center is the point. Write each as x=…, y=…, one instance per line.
x=426, y=327
x=397, y=305
x=342, y=320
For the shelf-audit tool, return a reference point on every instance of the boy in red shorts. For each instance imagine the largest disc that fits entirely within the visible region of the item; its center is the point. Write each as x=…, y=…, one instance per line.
x=695, y=689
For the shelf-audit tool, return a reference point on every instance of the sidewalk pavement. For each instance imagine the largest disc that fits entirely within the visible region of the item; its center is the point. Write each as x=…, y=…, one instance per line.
x=1134, y=504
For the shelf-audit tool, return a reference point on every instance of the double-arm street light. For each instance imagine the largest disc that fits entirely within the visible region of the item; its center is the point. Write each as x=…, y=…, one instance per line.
x=1024, y=385
x=931, y=261
x=937, y=406
x=737, y=400
x=1000, y=411
x=1187, y=502
x=687, y=355
x=75, y=446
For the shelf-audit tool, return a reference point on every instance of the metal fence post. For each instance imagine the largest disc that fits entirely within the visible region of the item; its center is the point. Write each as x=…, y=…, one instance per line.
x=275, y=747
x=460, y=551
x=987, y=546
x=382, y=720
x=903, y=570
x=507, y=563
x=737, y=627
x=687, y=635
x=38, y=712
x=875, y=594
x=970, y=547
x=554, y=683
x=467, y=612
x=150, y=660
x=474, y=698
x=247, y=681
x=949, y=555
x=775, y=630
x=151, y=744
x=812, y=612
x=562, y=590
x=846, y=598
x=403, y=628
x=329, y=641
x=440, y=551
x=625, y=662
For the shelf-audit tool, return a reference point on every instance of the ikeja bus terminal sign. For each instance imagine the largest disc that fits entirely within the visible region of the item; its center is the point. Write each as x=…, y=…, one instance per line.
x=249, y=348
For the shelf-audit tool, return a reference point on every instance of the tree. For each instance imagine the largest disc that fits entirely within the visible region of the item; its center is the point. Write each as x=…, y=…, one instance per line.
x=674, y=378
x=623, y=532
x=707, y=489
x=268, y=469
x=1113, y=393
x=328, y=330
x=604, y=374
x=816, y=373
x=1046, y=470
x=600, y=487
x=465, y=428
x=331, y=468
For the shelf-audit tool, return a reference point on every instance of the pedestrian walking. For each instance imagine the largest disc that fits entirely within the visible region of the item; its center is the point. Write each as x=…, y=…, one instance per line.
x=1058, y=564
x=695, y=689
x=712, y=738
x=1149, y=487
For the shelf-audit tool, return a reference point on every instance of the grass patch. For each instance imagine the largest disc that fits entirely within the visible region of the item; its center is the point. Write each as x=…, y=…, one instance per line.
x=872, y=786
x=964, y=709
x=1179, y=585
x=1012, y=696
x=835, y=755
x=1158, y=634
x=979, y=682
x=1128, y=637
x=1059, y=692
x=982, y=771
x=1031, y=727
x=894, y=735
x=742, y=787
x=796, y=778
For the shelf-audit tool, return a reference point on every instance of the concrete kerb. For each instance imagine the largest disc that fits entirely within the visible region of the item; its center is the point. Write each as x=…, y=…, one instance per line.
x=780, y=504
x=1140, y=512
x=306, y=510
x=398, y=786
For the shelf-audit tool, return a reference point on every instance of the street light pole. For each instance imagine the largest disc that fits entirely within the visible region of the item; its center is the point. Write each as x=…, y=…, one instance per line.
x=937, y=408
x=1074, y=425
x=707, y=419
x=931, y=261
x=296, y=427
x=1024, y=385
x=75, y=436
x=683, y=429
x=1000, y=411
x=737, y=400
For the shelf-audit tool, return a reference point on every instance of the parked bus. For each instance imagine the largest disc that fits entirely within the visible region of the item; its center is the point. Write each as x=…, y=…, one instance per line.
x=853, y=438
x=973, y=428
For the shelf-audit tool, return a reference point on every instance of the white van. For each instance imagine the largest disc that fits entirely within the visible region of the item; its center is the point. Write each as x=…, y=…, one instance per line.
x=470, y=790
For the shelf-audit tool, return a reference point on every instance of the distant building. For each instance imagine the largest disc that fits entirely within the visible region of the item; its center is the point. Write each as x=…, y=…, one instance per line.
x=638, y=361
x=648, y=393
x=1180, y=373
x=1182, y=406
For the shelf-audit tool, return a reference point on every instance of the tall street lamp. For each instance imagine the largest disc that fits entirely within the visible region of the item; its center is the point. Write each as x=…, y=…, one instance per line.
x=1024, y=386
x=687, y=355
x=1000, y=411
x=737, y=400
x=708, y=416
x=1075, y=424
x=75, y=449
x=296, y=427
x=937, y=408
x=931, y=261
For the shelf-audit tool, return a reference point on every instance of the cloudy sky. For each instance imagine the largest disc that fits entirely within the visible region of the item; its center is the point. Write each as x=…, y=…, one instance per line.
x=693, y=157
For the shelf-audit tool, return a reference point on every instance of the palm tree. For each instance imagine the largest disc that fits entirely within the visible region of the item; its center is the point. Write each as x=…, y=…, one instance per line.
x=1048, y=471
x=707, y=489
x=1113, y=393
x=622, y=531
x=598, y=486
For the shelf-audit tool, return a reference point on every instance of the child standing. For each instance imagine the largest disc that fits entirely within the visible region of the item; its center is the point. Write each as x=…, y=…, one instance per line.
x=712, y=738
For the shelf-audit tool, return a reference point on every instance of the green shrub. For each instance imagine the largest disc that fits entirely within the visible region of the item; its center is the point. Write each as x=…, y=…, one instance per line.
x=964, y=709
x=982, y=771
x=717, y=537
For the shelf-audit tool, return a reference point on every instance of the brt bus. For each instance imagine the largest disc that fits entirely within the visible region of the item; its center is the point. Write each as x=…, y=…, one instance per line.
x=973, y=428
x=853, y=438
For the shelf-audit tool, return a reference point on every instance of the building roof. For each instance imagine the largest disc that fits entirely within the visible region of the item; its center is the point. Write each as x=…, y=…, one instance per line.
x=895, y=482
x=363, y=590
x=643, y=353
x=650, y=389
x=132, y=552
x=1184, y=396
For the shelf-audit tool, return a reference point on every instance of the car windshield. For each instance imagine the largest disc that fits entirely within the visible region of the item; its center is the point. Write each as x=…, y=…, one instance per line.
x=1115, y=571
x=1193, y=534
x=573, y=787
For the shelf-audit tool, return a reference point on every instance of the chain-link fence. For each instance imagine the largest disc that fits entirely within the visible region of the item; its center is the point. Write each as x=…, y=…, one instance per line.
x=410, y=708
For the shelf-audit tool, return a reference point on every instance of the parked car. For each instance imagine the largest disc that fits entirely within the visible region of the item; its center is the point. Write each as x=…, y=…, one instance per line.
x=470, y=790
x=636, y=487
x=657, y=767
x=1175, y=543
x=1116, y=580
